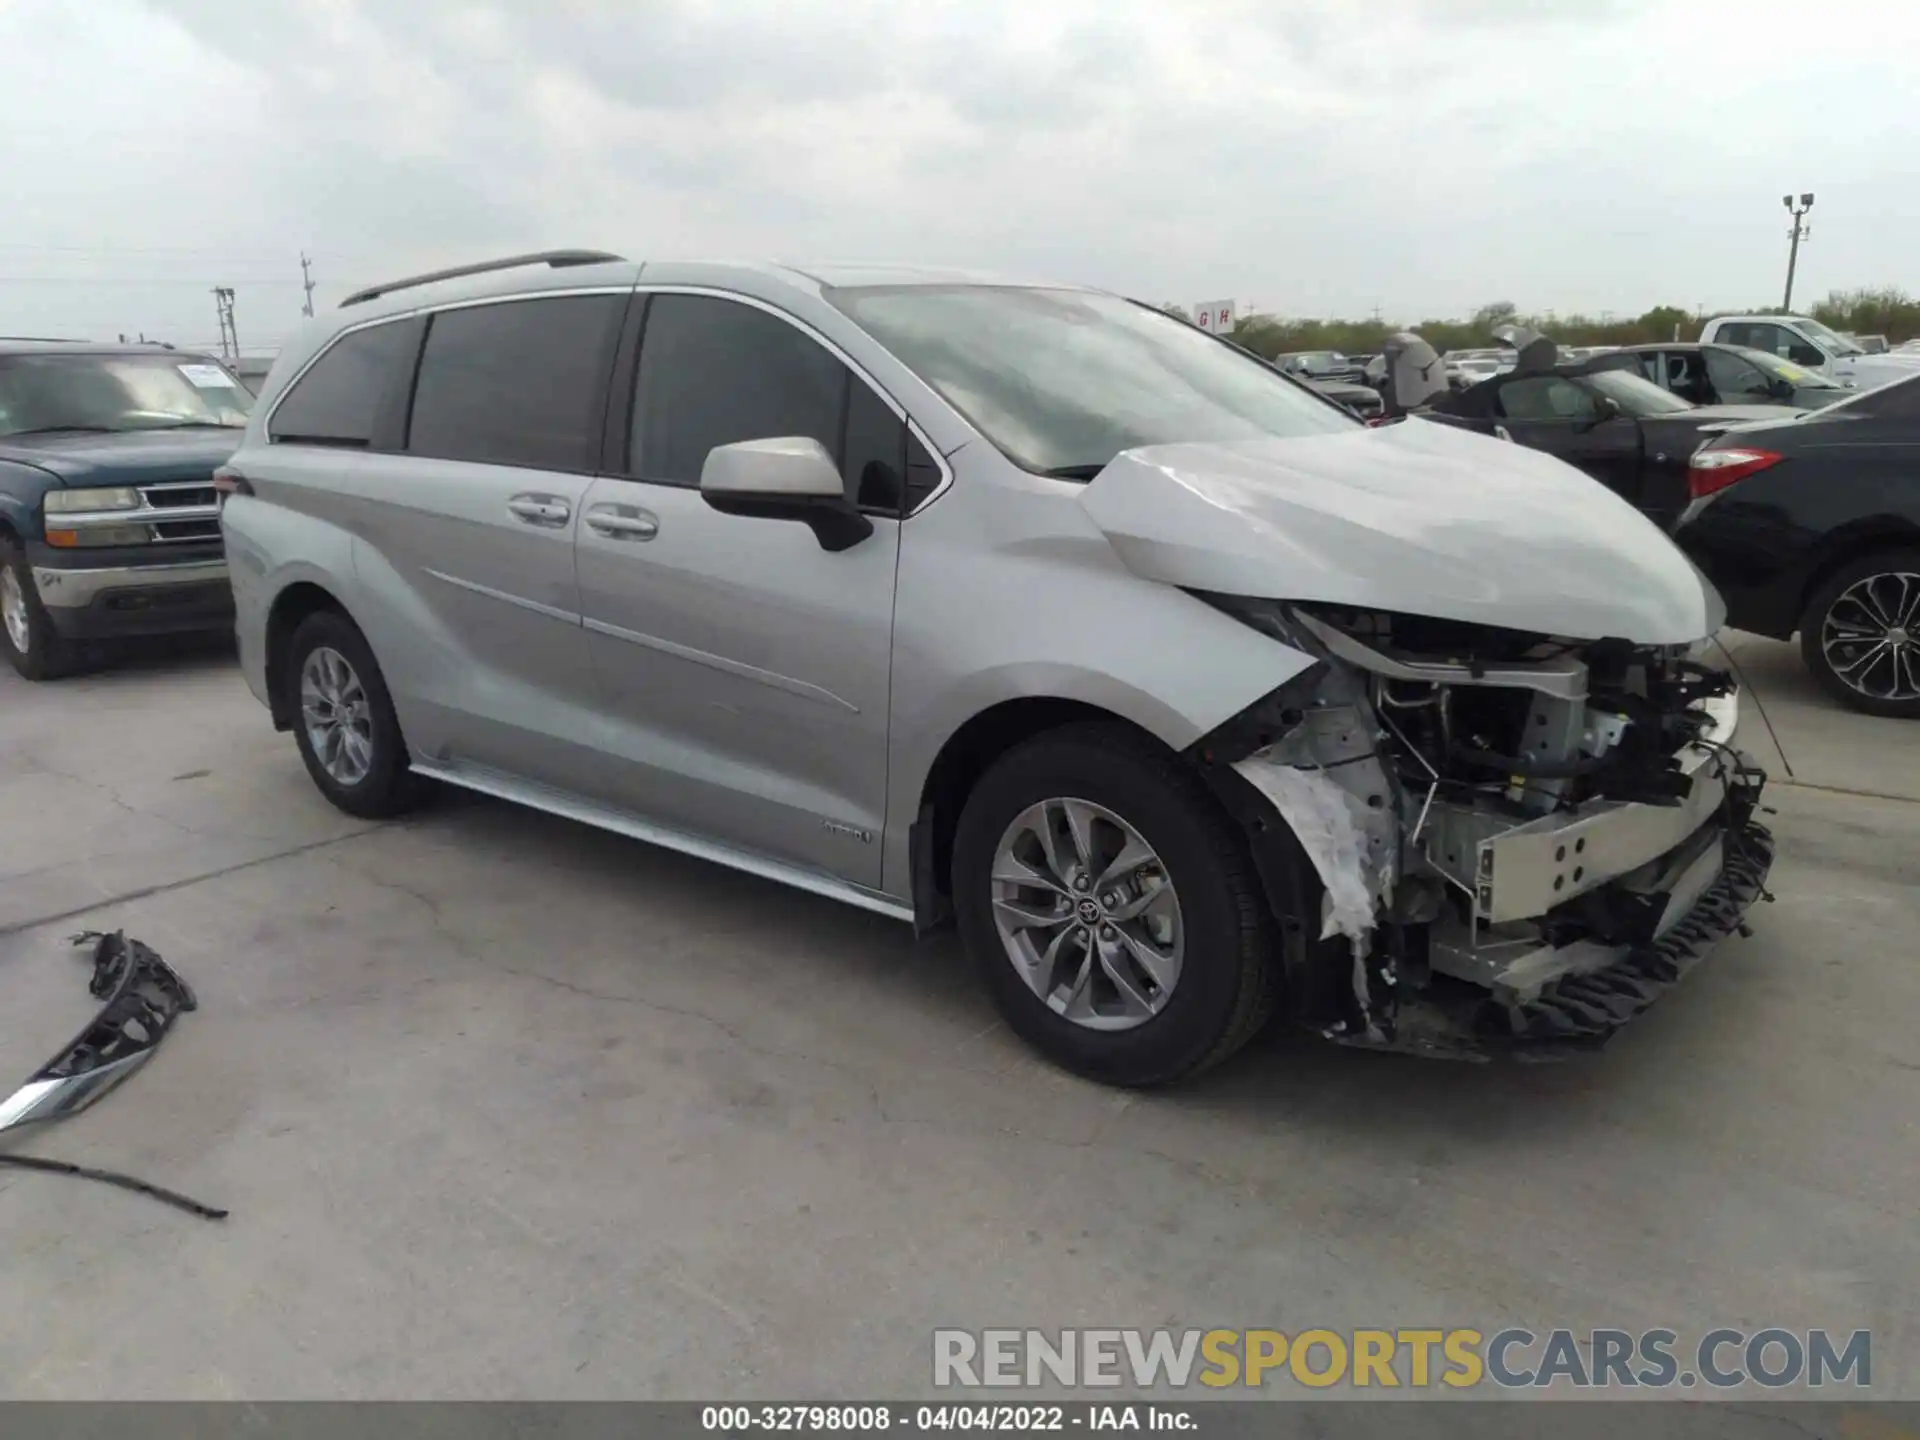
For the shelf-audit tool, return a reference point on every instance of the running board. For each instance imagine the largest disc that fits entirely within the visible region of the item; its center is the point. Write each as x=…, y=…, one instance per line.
x=572, y=807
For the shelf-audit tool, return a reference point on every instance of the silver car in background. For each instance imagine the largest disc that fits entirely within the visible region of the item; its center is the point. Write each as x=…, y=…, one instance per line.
x=1186, y=695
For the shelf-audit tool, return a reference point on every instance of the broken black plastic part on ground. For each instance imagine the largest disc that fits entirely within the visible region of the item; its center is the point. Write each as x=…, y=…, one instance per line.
x=142, y=996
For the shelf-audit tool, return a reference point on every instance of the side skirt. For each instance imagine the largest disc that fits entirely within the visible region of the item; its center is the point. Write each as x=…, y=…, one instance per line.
x=601, y=817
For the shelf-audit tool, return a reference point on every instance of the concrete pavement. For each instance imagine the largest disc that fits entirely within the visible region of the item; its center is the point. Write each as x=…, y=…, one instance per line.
x=505, y=1107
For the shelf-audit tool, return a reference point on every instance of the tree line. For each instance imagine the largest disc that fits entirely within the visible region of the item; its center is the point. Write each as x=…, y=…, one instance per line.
x=1887, y=311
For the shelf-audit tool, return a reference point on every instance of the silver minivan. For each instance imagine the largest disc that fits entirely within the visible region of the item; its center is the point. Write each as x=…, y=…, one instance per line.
x=1029, y=608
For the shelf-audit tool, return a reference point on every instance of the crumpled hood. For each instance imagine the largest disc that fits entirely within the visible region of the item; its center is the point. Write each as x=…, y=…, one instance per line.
x=1419, y=518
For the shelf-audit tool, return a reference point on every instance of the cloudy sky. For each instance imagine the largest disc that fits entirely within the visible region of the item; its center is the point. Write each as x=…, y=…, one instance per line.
x=1420, y=157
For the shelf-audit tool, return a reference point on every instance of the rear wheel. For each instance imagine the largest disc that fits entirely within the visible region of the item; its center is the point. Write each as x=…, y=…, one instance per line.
x=1860, y=635
x=344, y=720
x=33, y=646
x=1112, y=908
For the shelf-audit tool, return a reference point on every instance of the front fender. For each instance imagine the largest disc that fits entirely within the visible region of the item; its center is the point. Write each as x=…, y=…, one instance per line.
x=22, y=487
x=1053, y=616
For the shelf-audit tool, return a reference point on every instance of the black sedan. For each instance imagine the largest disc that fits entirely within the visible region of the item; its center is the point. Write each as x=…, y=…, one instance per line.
x=1603, y=416
x=1363, y=400
x=1812, y=525
x=1734, y=375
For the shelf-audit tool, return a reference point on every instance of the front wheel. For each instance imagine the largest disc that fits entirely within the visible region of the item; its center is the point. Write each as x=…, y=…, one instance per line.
x=1860, y=635
x=33, y=646
x=344, y=720
x=1112, y=908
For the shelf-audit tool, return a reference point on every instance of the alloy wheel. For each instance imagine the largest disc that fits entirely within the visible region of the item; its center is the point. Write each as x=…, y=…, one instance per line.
x=13, y=610
x=337, y=714
x=1087, y=914
x=1870, y=636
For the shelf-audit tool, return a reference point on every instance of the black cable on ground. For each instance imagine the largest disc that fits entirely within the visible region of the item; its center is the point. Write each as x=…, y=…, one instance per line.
x=110, y=1177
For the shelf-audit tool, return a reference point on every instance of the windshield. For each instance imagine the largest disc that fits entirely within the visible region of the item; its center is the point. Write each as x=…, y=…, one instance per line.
x=117, y=392
x=1061, y=381
x=1636, y=394
x=1788, y=371
x=1838, y=344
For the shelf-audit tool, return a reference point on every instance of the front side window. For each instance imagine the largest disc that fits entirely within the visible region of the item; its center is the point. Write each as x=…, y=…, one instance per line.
x=1831, y=341
x=1736, y=379
x=1061, y=381
x=716, y=372
x=342, y=394
x=1635, y=394
x=1546, y=397
x=44, y=393
x=1783, y=343
x=520, y=382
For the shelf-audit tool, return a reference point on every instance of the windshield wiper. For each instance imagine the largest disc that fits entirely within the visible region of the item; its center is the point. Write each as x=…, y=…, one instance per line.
x=1074, y=472
x=195, y=425
x=63, y=429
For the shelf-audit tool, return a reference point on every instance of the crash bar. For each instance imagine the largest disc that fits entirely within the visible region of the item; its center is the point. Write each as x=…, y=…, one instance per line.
x=555, y=258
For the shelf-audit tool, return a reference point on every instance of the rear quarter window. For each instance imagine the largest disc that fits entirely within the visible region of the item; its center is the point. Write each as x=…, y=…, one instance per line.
x=342, y=396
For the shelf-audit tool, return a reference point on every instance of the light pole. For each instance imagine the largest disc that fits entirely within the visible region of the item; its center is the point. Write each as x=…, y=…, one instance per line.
x=1799, y=233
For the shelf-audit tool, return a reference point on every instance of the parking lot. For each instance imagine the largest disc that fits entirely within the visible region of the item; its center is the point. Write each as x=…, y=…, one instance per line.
x=506, y=1107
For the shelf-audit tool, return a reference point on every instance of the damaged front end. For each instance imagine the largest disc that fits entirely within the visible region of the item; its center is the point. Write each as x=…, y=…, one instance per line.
x=1517, y=842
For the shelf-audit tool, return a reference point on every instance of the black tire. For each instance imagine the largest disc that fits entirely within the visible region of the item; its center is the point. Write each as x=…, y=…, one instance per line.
x=1229, y=980
x=389, y=787
x=47, y=655
x=1813, y=623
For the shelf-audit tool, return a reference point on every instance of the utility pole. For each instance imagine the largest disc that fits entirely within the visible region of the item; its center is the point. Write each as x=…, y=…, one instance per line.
x=306, y=282
x=1799, y=232
x=229, y=336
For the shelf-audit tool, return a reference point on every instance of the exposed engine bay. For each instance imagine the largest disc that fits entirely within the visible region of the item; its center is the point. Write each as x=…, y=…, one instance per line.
x=1520, y=841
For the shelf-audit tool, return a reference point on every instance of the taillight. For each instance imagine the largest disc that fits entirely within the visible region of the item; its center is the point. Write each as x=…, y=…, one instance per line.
x=1710, y=471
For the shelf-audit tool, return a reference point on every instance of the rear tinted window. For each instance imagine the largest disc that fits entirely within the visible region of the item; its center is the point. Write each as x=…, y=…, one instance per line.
x=1898, y=401
x=339, y=399
x=522, y=382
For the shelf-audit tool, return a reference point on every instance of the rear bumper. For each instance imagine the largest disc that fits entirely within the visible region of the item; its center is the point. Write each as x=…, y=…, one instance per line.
x=98, y=602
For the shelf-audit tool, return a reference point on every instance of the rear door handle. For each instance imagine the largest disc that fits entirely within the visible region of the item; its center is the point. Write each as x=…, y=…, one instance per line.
x=548, y=510
x=623, y=522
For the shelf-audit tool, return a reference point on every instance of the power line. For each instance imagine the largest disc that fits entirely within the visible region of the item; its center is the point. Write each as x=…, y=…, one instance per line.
x=167, y=250
x=126, y=280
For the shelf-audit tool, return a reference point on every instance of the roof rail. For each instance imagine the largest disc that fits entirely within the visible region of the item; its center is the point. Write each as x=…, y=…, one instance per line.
x=555, y=258
x=46, y=339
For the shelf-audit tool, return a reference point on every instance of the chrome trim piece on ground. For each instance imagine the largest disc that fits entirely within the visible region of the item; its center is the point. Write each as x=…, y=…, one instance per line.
x=571, y=807
x=71, y=589
x=142, y=998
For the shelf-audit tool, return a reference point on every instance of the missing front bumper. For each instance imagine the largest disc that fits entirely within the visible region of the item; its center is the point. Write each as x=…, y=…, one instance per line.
x=1580, y=1009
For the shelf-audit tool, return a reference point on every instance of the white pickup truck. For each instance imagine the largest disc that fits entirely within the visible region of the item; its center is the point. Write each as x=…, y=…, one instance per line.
x=1809, y=343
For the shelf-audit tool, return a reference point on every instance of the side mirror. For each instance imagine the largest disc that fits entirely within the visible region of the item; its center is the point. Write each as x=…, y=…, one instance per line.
x=1779, y=388
x=788, y=478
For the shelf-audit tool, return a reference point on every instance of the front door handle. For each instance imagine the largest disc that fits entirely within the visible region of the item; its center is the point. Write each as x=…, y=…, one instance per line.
x=548, y=510
x=623, y=522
